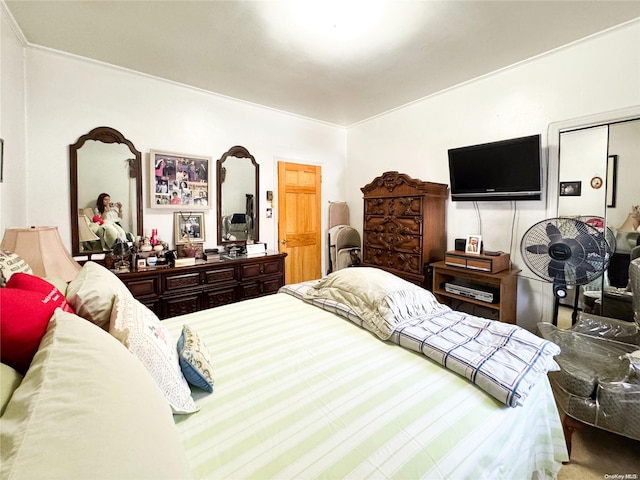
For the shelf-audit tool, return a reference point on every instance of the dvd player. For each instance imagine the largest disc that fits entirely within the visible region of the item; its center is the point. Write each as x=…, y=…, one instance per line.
x=472, y=290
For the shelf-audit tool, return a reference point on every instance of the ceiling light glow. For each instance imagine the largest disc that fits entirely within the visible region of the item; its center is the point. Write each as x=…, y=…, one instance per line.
x=341, y=20
x=338, y=30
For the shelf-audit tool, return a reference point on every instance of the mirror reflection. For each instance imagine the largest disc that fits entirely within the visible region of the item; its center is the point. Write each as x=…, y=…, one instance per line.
x=106, y=191
x=237, y=197
x=603, y=163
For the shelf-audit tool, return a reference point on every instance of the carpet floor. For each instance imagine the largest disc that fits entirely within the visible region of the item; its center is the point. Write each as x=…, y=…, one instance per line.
x=598, y=455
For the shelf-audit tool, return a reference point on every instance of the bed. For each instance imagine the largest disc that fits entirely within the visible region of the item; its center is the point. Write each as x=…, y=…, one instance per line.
x=303, y=392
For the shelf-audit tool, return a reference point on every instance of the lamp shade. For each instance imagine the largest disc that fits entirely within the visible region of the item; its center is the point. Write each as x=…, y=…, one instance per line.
x=42, y=249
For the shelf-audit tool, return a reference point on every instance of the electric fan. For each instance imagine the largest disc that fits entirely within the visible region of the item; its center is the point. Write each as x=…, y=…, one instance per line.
x=566, y=251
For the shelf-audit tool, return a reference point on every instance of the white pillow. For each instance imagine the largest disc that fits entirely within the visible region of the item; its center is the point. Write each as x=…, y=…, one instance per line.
x=92, y=293
x=139, y=329
x=382, y=300
x=86, y=408
x=9, y=381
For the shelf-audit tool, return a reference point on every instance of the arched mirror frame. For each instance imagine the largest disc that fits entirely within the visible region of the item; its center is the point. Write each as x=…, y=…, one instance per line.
x=104, y=135
x=553, y=140
x=236, y=152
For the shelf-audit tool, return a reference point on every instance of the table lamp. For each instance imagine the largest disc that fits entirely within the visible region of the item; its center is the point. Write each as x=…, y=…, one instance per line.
x=42, y=249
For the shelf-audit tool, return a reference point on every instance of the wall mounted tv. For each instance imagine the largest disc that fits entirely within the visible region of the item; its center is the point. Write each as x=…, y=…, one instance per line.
x=506, y=170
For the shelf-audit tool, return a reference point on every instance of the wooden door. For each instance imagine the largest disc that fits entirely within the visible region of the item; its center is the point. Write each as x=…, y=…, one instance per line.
x=299, y=220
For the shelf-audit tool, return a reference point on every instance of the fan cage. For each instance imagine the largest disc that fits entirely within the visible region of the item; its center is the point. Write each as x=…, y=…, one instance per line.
x=591, y=250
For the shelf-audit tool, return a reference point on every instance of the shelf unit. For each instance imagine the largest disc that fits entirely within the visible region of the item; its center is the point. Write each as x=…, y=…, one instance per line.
x=506, y=282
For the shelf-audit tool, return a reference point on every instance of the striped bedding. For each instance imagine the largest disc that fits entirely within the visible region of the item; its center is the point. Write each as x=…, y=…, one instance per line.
x=302, y=394
x=504, y=360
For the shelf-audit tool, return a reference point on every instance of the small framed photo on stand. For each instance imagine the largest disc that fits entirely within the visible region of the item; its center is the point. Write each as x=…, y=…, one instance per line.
x=473, y=245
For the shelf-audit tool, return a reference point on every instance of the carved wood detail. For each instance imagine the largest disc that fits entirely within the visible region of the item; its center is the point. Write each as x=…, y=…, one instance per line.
x=404, y=224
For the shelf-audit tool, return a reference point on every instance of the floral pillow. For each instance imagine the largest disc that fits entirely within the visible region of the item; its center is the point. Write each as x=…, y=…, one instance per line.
x=195, y=360
x=140, y=330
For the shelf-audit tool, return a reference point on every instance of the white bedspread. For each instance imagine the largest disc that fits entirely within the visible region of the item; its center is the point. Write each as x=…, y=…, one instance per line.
x=302, y=394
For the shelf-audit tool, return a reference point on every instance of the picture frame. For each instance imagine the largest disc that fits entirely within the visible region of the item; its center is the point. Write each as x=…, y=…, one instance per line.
x=473, y=245
x=142, y=263
x=611, y=185
x=179, y=181
x=571, y=189
x=188, y=227
x=186, y=250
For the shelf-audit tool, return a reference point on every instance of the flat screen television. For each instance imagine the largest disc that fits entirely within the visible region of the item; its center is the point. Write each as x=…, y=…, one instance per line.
x=504, y=170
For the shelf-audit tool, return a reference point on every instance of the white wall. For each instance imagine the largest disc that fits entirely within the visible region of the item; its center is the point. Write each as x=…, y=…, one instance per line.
x=596, y=75
x=68, y=96
x=624, y=141
x=584, y=155
x=12, y=124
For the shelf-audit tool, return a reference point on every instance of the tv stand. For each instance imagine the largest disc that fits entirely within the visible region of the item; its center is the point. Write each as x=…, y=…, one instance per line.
x=505, y=281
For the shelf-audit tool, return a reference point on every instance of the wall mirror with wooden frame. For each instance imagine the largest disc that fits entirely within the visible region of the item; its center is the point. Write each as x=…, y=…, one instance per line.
x=104, y=161
x=238, y=205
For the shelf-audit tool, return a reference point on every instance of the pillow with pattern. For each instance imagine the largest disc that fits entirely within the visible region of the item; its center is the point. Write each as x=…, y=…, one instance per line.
x=195, y=360
x=140, y=330
x=11, y=263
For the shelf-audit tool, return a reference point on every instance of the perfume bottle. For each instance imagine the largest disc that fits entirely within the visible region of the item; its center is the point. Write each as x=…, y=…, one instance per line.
x=154, y=237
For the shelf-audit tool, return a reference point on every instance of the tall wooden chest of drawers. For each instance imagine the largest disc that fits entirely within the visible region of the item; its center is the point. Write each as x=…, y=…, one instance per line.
x=404, y=225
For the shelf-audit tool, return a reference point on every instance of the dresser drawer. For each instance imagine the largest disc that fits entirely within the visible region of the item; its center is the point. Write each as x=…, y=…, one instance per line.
x=393, y=260
x=219, y=296
x=181, y=281
x=404, y=226
x=219, y=275
x=392, y=241
x=262, y=268
x=180, y=305
x=398, y=206
x=143, y=286
x=261, y=287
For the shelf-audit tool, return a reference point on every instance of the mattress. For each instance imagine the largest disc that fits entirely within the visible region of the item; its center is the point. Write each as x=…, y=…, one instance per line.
x=301, y=393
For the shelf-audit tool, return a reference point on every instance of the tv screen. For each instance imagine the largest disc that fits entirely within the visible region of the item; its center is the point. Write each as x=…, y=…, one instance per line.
x=505, y=170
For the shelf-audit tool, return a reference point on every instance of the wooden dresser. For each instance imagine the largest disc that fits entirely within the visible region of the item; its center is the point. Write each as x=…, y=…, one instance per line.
x=175, y=291
x=404, y=225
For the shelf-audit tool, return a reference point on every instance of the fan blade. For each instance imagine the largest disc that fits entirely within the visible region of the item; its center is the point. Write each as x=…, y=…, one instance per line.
x=538, y=249
x=589, y=243
x=581, y=273
x=556, y=271
x=553, y=233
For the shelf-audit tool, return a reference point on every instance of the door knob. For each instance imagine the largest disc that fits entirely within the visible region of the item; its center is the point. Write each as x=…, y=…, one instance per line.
x=283, y=241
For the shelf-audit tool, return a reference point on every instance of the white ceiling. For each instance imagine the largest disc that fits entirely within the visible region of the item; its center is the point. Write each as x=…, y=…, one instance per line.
x=261, y=52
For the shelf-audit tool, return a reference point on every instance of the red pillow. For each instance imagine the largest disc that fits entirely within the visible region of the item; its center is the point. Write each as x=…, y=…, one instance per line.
x=24, y=316
x=33, y=283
